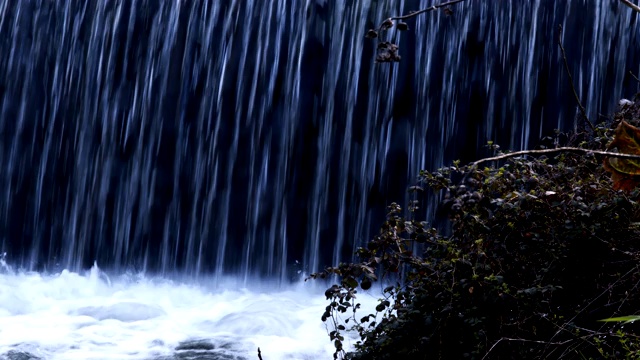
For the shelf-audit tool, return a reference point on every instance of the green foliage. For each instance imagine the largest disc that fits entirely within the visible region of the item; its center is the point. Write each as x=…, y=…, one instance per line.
x=536, y=252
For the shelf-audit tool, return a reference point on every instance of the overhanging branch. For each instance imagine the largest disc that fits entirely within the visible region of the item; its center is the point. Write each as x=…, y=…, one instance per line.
x=556, y=150
x=633, y=6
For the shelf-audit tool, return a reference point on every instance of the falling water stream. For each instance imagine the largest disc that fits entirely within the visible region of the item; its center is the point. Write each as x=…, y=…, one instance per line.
x=197, y=151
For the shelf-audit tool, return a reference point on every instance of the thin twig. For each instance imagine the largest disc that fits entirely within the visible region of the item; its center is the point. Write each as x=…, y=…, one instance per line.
x=563, y=327
x=528, y=341
x=633, y=6
x=434, y=7
x=633, y=76
x=566, y=66
x=388, y=52
x=560, y=149
x=259, y=354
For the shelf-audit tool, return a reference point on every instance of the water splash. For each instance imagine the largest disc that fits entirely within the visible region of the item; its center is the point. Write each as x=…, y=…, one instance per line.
x=81, y=316
x=4, y=267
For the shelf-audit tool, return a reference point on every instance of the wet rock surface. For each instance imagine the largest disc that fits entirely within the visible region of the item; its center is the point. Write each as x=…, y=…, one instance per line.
x=19, y=355
x=203, y=349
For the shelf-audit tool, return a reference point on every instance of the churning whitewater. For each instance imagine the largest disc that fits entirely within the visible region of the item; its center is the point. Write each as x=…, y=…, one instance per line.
x=92, y=315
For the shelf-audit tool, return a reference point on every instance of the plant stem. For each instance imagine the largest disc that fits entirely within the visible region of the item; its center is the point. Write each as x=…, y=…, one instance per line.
x=575, y=93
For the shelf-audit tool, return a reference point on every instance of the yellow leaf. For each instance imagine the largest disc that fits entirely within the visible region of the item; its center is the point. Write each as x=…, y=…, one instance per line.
x=625, y=173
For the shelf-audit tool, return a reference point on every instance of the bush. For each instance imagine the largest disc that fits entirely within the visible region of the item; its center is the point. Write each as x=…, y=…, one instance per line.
x=536, y=252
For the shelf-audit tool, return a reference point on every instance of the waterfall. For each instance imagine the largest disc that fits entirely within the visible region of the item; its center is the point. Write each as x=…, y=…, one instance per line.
x=259, y=137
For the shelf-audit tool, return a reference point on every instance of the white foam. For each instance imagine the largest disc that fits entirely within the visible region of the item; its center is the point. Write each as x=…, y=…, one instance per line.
x=624, y=102
x=91, y=316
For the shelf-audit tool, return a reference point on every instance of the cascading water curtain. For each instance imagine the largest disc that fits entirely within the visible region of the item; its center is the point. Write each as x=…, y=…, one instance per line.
x=259, y=137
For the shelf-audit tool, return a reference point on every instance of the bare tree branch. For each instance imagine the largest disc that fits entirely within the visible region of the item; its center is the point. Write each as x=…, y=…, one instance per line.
x=556, y=150
x=434, y=7
x=575, y=93
x=633, y=6
x=388, y=52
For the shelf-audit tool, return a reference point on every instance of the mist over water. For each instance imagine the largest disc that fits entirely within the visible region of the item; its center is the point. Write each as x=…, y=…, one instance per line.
x=250, y=140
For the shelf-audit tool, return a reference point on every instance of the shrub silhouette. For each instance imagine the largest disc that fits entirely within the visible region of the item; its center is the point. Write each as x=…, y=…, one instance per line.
x=536, y=252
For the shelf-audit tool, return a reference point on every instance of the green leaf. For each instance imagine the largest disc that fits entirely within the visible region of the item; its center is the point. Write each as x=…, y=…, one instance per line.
x=365, y=284
x=402, y=26
x=350, y=282
x=625, y=319
x=338, y=344
x=372, y=34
